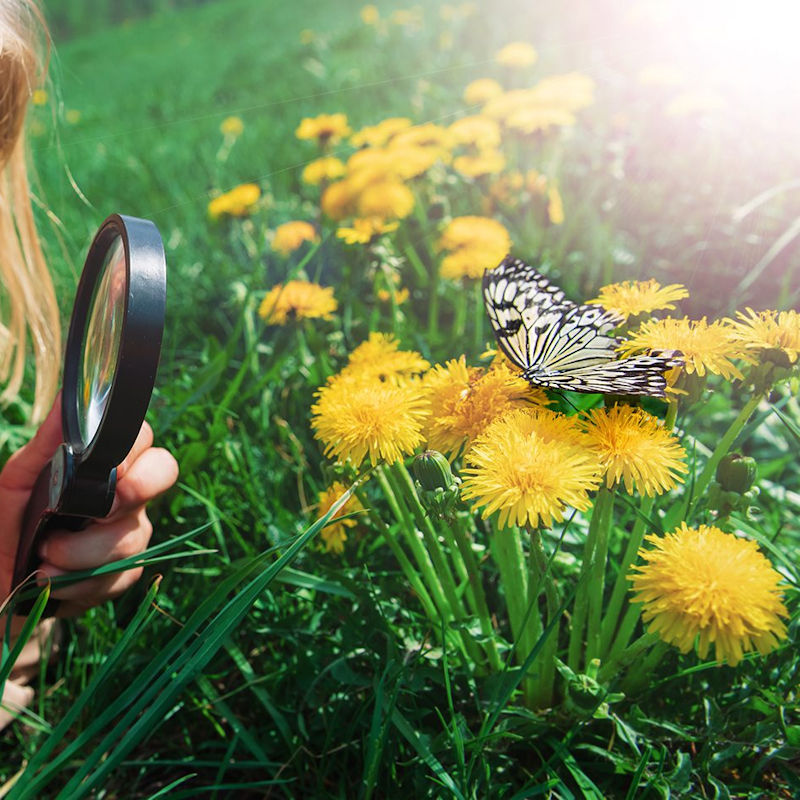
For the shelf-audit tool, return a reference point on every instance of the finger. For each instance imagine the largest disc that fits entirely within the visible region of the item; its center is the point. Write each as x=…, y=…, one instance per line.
x=144, y=439
x=65, y=551
x=152, y=473
x=24, y=466
x=77, y=597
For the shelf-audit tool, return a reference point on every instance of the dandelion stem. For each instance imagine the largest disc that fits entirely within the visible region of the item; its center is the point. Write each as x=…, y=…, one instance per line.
x=540, y=574
x=605, y=506
x=423, y=521
x=638, y=678
x=399, y=476
x=625, y=631
x=420, y=555
x=479, y=316
x=460, y=320
x=523, y=615
x=408, y=568
x=614, y=607
x=507, y=553
x=627, y=656
x=464, y=545
x=433, y=307
x=720, y=451
x=580, y=607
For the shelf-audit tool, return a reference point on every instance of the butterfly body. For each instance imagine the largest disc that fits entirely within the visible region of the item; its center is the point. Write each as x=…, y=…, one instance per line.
x=561, y=345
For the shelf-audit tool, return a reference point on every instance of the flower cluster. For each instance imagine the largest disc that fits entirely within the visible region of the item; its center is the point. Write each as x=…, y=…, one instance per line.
x=523, y=460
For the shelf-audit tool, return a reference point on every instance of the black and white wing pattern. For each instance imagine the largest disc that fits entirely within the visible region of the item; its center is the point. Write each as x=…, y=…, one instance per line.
x=561, y=345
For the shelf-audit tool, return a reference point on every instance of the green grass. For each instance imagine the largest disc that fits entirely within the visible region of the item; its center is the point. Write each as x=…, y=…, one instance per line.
x=241, y=676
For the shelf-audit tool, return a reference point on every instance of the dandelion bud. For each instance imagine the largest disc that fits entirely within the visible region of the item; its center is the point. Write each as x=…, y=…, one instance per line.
x=736, y=473
x=432, y=470
x=438, y=488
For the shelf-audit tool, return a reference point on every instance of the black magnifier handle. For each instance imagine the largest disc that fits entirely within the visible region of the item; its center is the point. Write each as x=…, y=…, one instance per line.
x=110, y=366
x=53, y=492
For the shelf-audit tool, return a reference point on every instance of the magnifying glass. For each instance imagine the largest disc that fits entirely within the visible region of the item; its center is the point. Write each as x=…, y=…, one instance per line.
x=112, y=353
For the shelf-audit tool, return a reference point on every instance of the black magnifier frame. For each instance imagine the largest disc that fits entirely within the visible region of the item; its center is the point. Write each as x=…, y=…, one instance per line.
x=110, y=366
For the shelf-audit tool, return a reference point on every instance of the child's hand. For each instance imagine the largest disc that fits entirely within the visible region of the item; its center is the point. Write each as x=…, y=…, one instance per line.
x=146, y=472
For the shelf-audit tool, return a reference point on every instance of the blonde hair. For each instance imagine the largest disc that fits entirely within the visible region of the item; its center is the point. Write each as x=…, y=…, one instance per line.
x=28, y=304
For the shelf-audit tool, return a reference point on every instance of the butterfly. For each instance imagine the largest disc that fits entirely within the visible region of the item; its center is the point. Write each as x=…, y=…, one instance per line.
x=559, y=344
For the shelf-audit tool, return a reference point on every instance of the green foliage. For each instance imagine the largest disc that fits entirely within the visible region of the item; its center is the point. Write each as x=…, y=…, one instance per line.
x=250, y=663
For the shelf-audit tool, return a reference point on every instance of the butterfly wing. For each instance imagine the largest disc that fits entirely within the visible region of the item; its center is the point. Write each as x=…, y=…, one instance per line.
x=561, y=345
x=642, y=375
x=511, y=288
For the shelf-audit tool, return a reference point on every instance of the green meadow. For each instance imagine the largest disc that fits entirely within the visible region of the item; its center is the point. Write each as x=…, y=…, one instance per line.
x=586, y=594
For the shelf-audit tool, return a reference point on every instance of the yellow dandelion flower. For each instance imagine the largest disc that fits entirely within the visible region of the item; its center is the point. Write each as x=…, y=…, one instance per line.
x=377, y=164
x=486, y=162
x=517, y=55
x=307, y=36
x=72, y=116
x=325, y=128
x=476, y=244
x=297, y=300
x=338, y=200
x=704, y=586
x=502, y=106
x=468, y=262
x=378, y=135
x=481, y=132
x=380, y=357
x=370, y=15
x=365, y=230
x=635, y=449
x=370, y=165
x=231, y=127
x=704, y=347
x=39, y=97
x=535, y=182
x=535, y=118
x=428, y=134
x=398, y=296
x=571, y=91
x=409, y=161
x=555, y=205
x=358, y=417
x=327, y=168
x=334, y=534
x=464, y=400
x=481, y=91
x=291, y=235
x=767, y=330
x=506, y=188
x=471, y=232
x=525, y=467
x=386, y=200
x=236, y=203
x=631, y=298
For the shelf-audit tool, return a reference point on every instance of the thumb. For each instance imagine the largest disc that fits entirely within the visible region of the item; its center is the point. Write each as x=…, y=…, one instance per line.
x=24, y=466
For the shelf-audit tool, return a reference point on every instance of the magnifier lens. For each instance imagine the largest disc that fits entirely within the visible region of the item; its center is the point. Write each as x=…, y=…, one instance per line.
x=101, y=341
